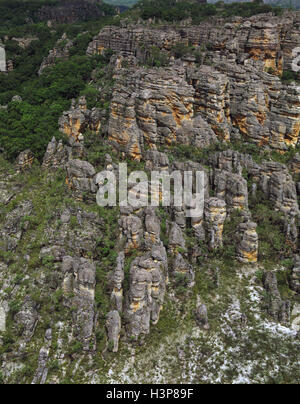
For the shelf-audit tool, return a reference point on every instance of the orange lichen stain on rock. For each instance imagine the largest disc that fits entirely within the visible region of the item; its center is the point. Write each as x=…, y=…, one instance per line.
x=264, y=141
x=239, y=202
x=135, y=152
x=135, y=306
x=69, y=183
x=73, y=128
x=100, y=49
x=269, y=57
x=250, y=257
x=240, y=122
x=291, y=139
x=261, y=117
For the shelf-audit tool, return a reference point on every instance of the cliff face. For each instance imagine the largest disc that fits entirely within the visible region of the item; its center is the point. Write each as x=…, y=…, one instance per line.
x=196, y=106
x=264, y=38
x=240, y=91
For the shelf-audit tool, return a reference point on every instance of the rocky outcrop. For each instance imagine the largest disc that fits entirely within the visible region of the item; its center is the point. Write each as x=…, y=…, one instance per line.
x=117, y=282
x=264, y=38
x=140, y=231
x=60, y=52
x=78, y=119
x=24, y=161
x=56, y=156
x=232, y=188
x=247, y=249
x=215, y=215
x=81, y=177
x=148, y=107
x=80, y=281
x=146, y=294
x=133, y=40
x=15, y=225
x=240, y=95
x=24, y=42
x=202, y=317
x=113, y=326
x=212, y=99
x=277, y=308
x=131, y=228
x=180, y=265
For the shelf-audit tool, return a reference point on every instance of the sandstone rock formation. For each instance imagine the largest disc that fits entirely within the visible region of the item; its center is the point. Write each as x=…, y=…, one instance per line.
x=146, y=294
x=24, y=160
x=277, y=308
x=81, y=177
x=80, y=280
x=215, y=215
x=247, y=250
x=148, y=107
x=61, y=51
x=261, y=38
x=78, y=119
x=56, y=155
x=117, y=281
x=295, y=275
x=242, y=90
x=113, y=325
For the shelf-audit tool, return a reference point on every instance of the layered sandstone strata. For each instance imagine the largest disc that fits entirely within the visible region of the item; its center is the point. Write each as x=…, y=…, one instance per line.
x=78, y=119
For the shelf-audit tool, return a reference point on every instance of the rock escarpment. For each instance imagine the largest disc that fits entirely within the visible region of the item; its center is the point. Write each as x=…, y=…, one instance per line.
x=263, y=38
x=240, y=92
